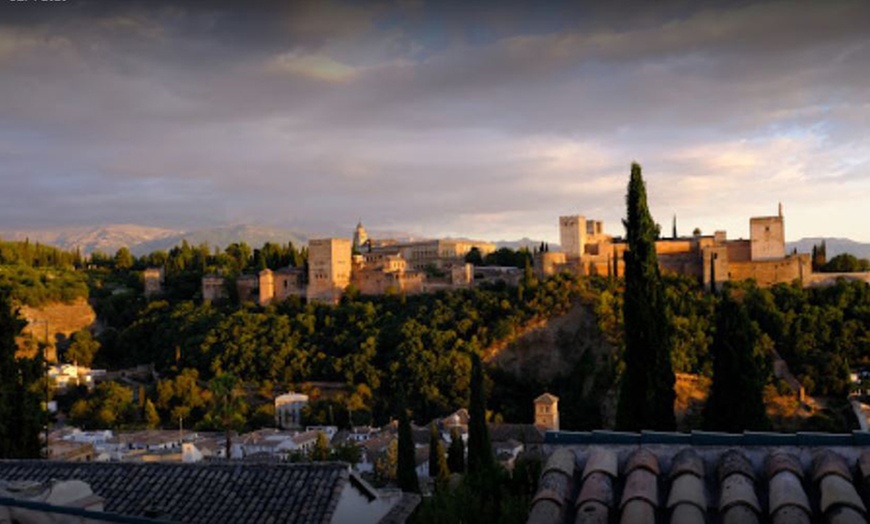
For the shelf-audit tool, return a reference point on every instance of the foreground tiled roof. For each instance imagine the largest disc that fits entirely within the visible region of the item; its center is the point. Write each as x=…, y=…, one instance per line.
x=693, y=483
x=202, y=493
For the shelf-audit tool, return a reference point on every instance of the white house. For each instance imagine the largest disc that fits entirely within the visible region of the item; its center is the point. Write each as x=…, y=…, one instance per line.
x=288, y=410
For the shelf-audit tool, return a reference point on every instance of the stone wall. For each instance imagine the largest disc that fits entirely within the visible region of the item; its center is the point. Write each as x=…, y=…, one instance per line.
x=829, y=279
x=769, y=272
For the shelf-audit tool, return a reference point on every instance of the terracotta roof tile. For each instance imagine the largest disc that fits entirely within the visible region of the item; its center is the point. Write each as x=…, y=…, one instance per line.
x=738, y=489
x=780, y=461
x=688, y=514
x=827, y=462
x=642, y=458
x=601, y=460
x=554, y=489
x=734, y=461
x=687, y=489
x=786, y=490
x=790, y=515
x=740, y=515
x=715, y=479
x=687, y=461
x=638, y=511
x=845, y=515
x=597, y=487
x=837, y=491
x=640, y=484
x=593, y=513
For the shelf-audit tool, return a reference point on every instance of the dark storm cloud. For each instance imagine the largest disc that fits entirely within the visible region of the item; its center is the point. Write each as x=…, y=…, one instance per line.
x=442, y=117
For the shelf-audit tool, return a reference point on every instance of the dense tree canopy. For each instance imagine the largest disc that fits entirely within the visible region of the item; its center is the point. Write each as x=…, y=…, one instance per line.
x=735, y=403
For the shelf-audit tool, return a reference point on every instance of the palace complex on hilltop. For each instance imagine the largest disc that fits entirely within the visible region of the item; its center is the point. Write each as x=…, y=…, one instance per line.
x=712, y=259
x=376, y=267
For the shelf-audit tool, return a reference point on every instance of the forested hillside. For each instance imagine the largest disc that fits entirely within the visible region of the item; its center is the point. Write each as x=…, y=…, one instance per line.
x=377, y=346
x=38, y=274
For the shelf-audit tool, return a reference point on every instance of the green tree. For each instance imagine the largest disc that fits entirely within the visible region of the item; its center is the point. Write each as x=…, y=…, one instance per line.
x=320, y=451
x=83, y=348
x=406, y=471
x=152, y=419
x=474, y=257
x=437, y=458
x=736, y=396
x=349, y=452
x=480, y=457
x=387, y=464
x=227, y=405
x=123, y=259
x=456, y=452
x=846, y=263
x=109, y=406
x=20, y=413
x=646, y=399
x=182, y=396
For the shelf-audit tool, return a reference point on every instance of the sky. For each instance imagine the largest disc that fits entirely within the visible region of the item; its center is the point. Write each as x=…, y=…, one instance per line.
x=486, y=120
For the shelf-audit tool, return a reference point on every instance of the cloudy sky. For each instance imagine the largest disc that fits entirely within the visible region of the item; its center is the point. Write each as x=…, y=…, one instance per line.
x=434, y=117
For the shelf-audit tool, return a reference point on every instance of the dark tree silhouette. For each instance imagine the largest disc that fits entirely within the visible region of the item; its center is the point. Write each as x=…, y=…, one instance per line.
x=736, y=396
x=646, y=399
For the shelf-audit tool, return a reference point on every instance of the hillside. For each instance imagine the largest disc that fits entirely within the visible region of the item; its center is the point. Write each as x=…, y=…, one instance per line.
x=62, y=319
x=565, y=355
x=549, y=349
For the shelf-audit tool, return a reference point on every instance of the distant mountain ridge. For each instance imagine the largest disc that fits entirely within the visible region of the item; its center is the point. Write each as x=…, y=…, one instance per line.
x=526, y=243
x=833, y=246
x=142, y=240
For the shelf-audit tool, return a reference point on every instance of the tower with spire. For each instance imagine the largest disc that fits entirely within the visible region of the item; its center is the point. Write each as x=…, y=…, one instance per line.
x=360, y=237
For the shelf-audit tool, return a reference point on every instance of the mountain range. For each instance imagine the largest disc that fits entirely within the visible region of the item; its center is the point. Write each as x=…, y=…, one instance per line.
x=833, y=246
x=144, y=239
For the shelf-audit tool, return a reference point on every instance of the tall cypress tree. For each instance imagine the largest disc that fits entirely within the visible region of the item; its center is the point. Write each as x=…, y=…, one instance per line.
x=406, y=471
x=736, y=396
x=646, y=399
x=480, y=457
x=437, y=459
x=20, y=414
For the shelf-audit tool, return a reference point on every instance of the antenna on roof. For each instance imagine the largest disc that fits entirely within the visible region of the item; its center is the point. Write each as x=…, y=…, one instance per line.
x=780, y=210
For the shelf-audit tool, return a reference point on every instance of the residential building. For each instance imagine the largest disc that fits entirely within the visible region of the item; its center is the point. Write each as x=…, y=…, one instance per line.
x=288, y=410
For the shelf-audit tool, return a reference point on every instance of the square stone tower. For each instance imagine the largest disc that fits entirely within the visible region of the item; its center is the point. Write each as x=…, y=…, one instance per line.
x=767, y=237
x=153, y=277
x=547, y=412
x=572, y=236
x=329, y=267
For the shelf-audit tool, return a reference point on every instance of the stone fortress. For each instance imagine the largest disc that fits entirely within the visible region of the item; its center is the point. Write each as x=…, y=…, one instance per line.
x=711, y=259
x=374, y=267
x=377, y=267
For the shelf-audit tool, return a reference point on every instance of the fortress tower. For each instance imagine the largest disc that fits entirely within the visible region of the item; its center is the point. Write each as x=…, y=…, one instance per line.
x=767, y=237
x=329, y=267
x=572, y=236
x=547, y=412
